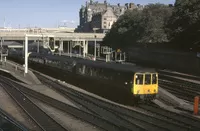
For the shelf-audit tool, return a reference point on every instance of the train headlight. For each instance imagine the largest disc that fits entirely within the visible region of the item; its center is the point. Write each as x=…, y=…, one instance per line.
x=136, y=76
x=125, y=83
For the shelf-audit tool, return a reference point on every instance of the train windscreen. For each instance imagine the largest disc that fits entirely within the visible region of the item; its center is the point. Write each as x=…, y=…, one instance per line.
x=147, y=79
x=154, y=79
x=139, y=79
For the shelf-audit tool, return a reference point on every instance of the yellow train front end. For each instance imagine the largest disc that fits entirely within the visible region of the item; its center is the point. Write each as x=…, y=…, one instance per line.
x=145, y=86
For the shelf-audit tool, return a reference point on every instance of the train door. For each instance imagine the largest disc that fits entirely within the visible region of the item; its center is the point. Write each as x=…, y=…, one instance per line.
x=138, y=83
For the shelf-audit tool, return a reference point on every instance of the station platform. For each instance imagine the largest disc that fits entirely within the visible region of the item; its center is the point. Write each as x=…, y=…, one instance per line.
x=17, y=71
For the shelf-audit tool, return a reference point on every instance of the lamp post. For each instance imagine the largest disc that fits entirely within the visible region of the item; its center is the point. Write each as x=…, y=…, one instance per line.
x=26, y=49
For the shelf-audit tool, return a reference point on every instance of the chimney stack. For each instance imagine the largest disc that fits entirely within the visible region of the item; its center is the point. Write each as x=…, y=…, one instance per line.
x=131, y=5
x=126, y=5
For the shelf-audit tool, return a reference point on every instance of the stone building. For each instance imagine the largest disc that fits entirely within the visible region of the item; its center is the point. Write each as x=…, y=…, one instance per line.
x=103, y=21
x=99, y=17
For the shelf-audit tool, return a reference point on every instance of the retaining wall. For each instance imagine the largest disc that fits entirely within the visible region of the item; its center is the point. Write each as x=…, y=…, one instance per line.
x=186, y=62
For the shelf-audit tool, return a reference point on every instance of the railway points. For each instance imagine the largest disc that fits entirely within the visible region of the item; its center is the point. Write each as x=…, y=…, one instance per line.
x=12, y=109
x=100, y=109
x=8, y=123
x=123, y=115
x=180, y=74
x=183, y=86
x=80, y=114
x=35, y=113
x=66, y=120
x=97, y=101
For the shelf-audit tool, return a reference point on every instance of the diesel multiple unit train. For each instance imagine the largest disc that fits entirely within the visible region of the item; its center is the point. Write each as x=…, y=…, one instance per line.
x=140, y=82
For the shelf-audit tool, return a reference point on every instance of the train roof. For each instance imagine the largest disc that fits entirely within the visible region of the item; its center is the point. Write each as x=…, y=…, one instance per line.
x=99, y=64
x=117, y=66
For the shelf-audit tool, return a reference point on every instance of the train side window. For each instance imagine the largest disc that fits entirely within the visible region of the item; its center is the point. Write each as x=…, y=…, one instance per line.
x=148, y=79
x=139, y=79
x=154, y=79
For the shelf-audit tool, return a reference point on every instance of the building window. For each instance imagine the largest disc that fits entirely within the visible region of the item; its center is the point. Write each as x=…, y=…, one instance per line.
x=104, y=22
x=105, y=19
x=104, y=27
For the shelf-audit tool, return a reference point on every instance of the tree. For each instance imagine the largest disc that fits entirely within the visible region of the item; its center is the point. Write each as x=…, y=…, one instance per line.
x=125, y=31
x=184, y=24
x=154, y=18
x=138, y=27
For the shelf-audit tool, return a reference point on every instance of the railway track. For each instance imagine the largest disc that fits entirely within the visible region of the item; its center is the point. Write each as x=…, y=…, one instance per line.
x=11, y=124
x=181, y=88
x=180, y=85
x=186, y=84
x=176, y=74
x=43, y=121
x=188, y=121
x=97, y=108
x=180, y=91
x=79, y=114
x=148, y=122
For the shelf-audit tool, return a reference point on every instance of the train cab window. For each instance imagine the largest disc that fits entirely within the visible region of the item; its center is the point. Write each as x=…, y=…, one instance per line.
x=154, y=79
x=139, y=79
x=148, y=79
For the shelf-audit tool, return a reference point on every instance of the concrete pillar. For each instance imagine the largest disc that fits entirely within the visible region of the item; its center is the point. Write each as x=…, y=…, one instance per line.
x=70, y=48
x=99, y=50
x=68, y=45
x=26, y=55
x=60, y=46
x=38, y=46
x=80, y=49
x=95, y=50
x=84, y=52
x=86, y=48
x=54, y=44
x=23, y=45
x=1, y=49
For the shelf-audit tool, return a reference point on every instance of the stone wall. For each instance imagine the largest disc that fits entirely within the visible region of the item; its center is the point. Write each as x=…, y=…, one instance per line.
x=180, y=61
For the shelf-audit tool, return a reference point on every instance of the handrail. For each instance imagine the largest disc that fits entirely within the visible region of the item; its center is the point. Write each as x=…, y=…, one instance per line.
x=78, y=35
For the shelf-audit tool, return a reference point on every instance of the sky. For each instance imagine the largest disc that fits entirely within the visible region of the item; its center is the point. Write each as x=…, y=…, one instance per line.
x=50, y=13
